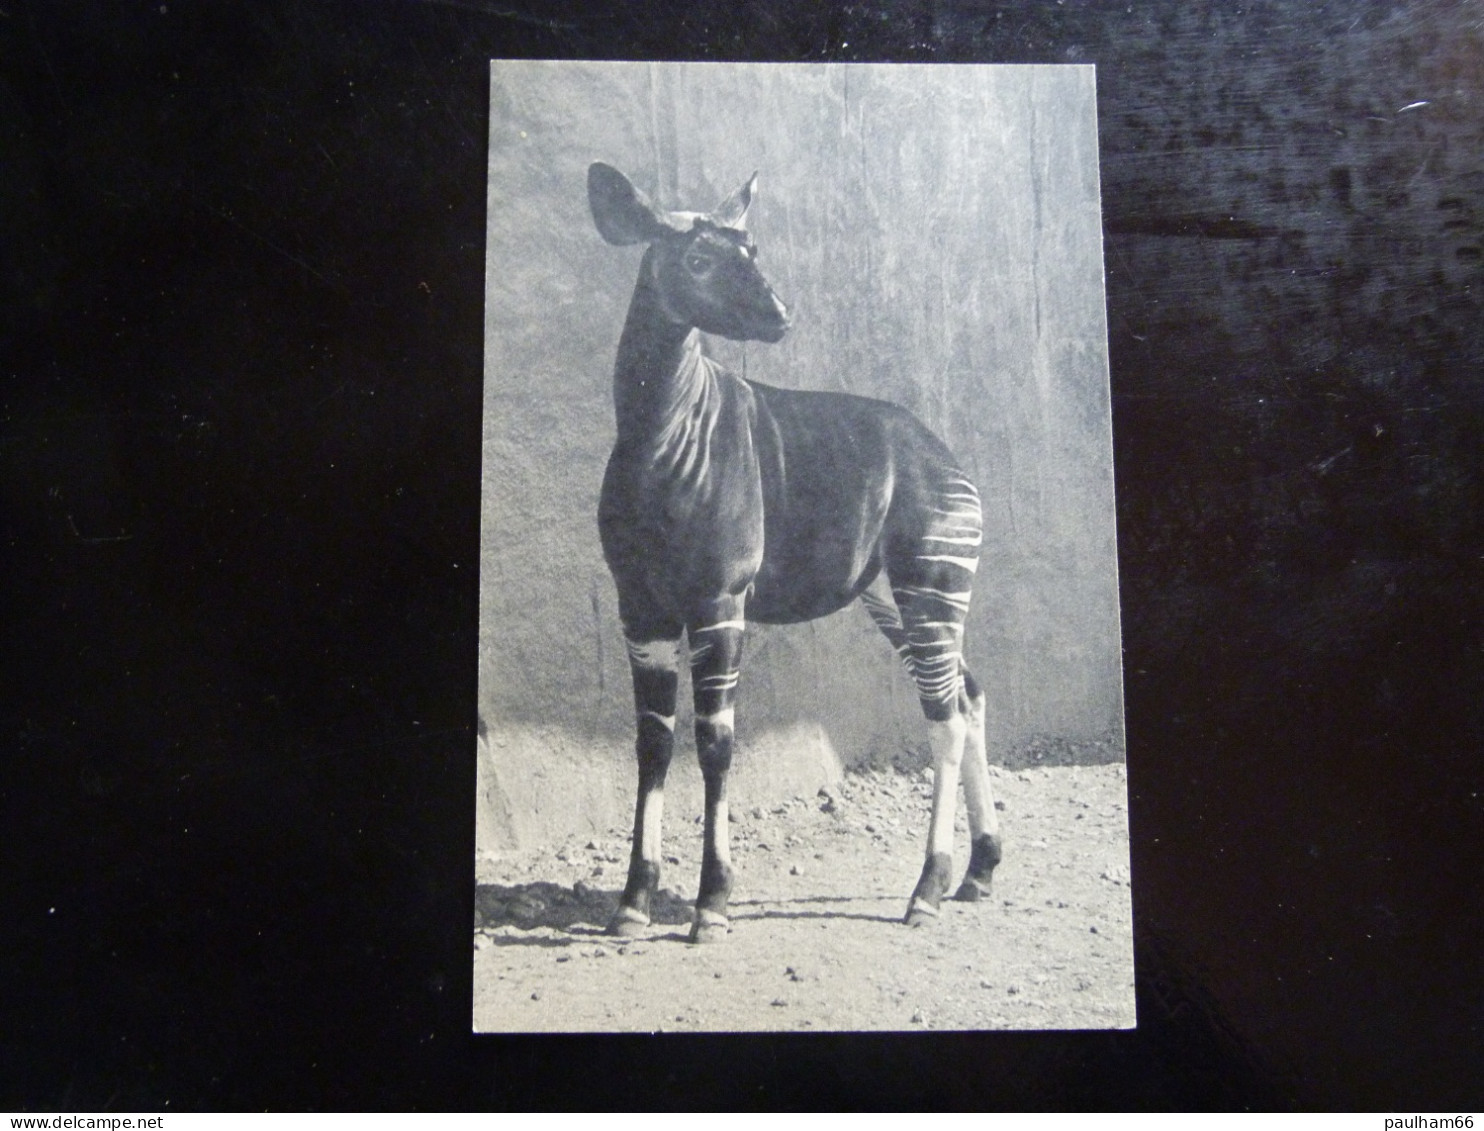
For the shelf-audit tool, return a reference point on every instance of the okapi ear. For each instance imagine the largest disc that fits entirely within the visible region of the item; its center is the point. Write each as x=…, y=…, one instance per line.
x=623, y=213
x=732, y=212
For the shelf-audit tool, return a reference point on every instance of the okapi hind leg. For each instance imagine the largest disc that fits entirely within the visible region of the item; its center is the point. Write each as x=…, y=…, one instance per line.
x=946, y=737
x=932, y=589
x=654, y=664
x=984, y=821
x=927, y=652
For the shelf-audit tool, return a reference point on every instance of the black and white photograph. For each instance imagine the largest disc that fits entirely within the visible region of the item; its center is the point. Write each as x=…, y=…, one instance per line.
x=800, y=690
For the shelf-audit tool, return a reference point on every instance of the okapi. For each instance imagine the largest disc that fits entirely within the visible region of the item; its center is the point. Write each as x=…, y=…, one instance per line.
x=726, y=500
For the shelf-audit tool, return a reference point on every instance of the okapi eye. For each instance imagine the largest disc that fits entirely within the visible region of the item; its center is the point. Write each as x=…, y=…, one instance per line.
x=697, y=263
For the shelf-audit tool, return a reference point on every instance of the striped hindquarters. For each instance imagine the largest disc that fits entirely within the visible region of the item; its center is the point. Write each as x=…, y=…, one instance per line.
x=931, y=583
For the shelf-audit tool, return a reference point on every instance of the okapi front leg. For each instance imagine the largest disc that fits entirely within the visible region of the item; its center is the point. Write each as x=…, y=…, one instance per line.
x=716, y=657
x=655, y=668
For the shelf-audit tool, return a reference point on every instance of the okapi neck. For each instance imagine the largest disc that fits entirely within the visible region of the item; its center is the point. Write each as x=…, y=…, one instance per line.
x=661, y=367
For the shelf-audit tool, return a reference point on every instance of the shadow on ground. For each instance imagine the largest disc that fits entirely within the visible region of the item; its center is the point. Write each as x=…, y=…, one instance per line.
x=545, y=904
x=581, y=909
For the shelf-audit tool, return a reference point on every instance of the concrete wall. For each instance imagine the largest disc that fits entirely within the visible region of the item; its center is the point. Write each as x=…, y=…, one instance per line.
x=936, y=231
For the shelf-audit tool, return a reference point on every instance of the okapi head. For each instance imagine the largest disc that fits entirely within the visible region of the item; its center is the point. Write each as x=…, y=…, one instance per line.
x=702, y=266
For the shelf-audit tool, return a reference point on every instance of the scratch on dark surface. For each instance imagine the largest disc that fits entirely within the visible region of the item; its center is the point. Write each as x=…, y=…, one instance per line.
x=509, y=14
x=1442, y=406
x=310, y=757
x=1203, y=227
x=430, y=73
x=93, y=541
x=1422, y=167
x=1323, y=466
x=270, y=245
x=50, y=70
x=329, y=396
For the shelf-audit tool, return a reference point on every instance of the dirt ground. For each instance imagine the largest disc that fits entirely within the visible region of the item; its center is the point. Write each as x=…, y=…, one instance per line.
x=816, y=940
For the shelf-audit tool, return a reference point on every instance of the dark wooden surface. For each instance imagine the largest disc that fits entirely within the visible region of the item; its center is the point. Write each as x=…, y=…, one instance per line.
x=239, y=423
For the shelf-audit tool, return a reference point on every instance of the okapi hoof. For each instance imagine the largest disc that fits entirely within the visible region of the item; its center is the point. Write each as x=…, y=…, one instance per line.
x=628, y=922
x=984, y=856
x=709, y=927
x=972, y=890
x=922, y=908
x=920, y=913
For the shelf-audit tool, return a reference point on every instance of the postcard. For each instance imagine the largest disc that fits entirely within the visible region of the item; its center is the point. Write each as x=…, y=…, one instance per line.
x=800, y=691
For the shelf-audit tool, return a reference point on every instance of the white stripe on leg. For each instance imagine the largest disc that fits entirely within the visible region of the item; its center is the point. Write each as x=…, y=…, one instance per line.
x=666, y=721
x=652, y=823
x=977, y=792
x=947, y=742
x=726, y=717
x=655, y=655
x=723, y=833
